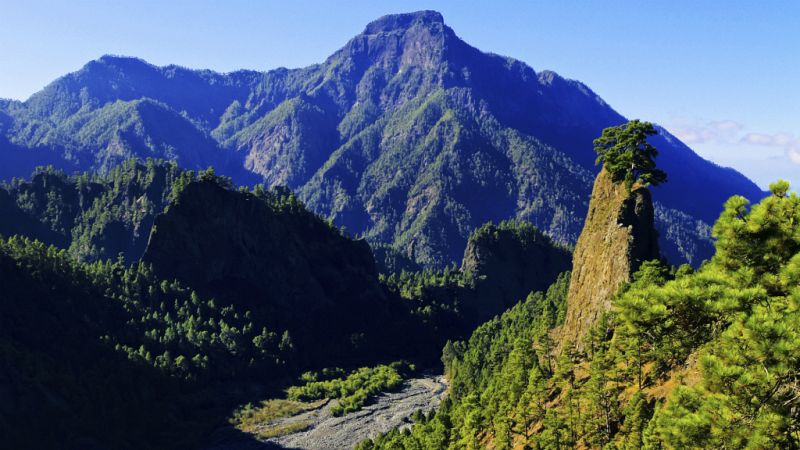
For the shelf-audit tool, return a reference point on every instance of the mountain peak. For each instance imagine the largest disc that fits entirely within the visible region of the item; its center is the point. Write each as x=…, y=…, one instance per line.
x=120, y=61
x=394, y=22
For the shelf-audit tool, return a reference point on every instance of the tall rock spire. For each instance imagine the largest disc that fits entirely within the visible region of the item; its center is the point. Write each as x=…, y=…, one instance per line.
x=617, y=237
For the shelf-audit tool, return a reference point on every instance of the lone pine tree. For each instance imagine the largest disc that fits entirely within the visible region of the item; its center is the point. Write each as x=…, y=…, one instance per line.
x=627, y=155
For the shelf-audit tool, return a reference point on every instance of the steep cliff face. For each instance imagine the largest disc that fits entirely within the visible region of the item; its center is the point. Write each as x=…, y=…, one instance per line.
x=617, y=238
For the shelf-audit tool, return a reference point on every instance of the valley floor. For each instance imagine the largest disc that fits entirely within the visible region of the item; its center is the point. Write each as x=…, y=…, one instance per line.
x=324, y=431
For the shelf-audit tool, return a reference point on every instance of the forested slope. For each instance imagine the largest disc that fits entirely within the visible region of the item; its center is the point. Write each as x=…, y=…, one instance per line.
x=101, y=355
x=685, y=358
x=95, y=217
x=264, y=251
x=238, y=291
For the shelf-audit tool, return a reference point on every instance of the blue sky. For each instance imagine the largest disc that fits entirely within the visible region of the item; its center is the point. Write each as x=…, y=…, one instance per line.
x=722, y=75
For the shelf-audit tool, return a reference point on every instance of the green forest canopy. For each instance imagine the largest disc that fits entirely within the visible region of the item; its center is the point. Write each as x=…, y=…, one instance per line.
x=686, y=359
x=626, y=154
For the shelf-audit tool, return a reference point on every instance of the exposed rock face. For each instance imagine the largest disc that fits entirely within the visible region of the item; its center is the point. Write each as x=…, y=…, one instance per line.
x=617, y=238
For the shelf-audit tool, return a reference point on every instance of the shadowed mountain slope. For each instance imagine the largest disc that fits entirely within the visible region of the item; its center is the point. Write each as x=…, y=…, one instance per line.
x=264, y=252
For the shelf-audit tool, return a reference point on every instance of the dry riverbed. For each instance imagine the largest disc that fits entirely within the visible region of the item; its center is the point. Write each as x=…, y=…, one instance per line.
x=324, y=431
x=313, y=427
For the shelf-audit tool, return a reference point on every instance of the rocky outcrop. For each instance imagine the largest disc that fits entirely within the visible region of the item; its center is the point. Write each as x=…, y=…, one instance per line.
x=617, y=238
x=509, y=261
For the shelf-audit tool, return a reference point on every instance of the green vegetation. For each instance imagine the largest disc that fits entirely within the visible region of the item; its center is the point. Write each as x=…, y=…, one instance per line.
x=509, y=260
x=626, y=154
x=502, y=263
x=260, y=420
x=746, y=321
x=389, y=260
x=97, y=217
x=113, y=322
x=436, y=297
x=126, y=358
x=141, y=302
x=291, y=269
x=355, y=390
x=686, y=359
x=164, y=324
x=130, y=358
x=496, y=378
x=351, y=391
x=404, y=158
x=269, y=410
x=282, y=429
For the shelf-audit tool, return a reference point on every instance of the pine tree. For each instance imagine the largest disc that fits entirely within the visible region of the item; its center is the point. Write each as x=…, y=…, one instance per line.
x=626, y=154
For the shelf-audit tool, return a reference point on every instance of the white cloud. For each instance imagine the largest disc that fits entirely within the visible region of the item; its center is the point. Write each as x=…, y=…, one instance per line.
x=793, y=153
x=789, y=143
x=770, y=140
x=729, y=134
x=724, y=125
x=757, y=139
x=718, y=130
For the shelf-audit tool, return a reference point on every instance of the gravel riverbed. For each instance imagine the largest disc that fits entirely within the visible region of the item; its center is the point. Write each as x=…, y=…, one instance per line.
x=391, y=410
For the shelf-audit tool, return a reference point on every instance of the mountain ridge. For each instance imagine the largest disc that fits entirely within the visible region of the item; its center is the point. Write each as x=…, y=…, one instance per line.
x=406, y=135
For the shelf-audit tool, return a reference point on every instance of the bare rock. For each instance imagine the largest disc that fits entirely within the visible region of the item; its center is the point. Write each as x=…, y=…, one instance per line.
x=617, y=237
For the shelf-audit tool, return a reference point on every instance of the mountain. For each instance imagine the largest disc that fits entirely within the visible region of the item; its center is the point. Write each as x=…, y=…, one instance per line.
x=265, y=252
x=406, y=135
x=221, y=296
x=503, y=265
x=111, y=357
x=261, y=251
x=218, y=296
